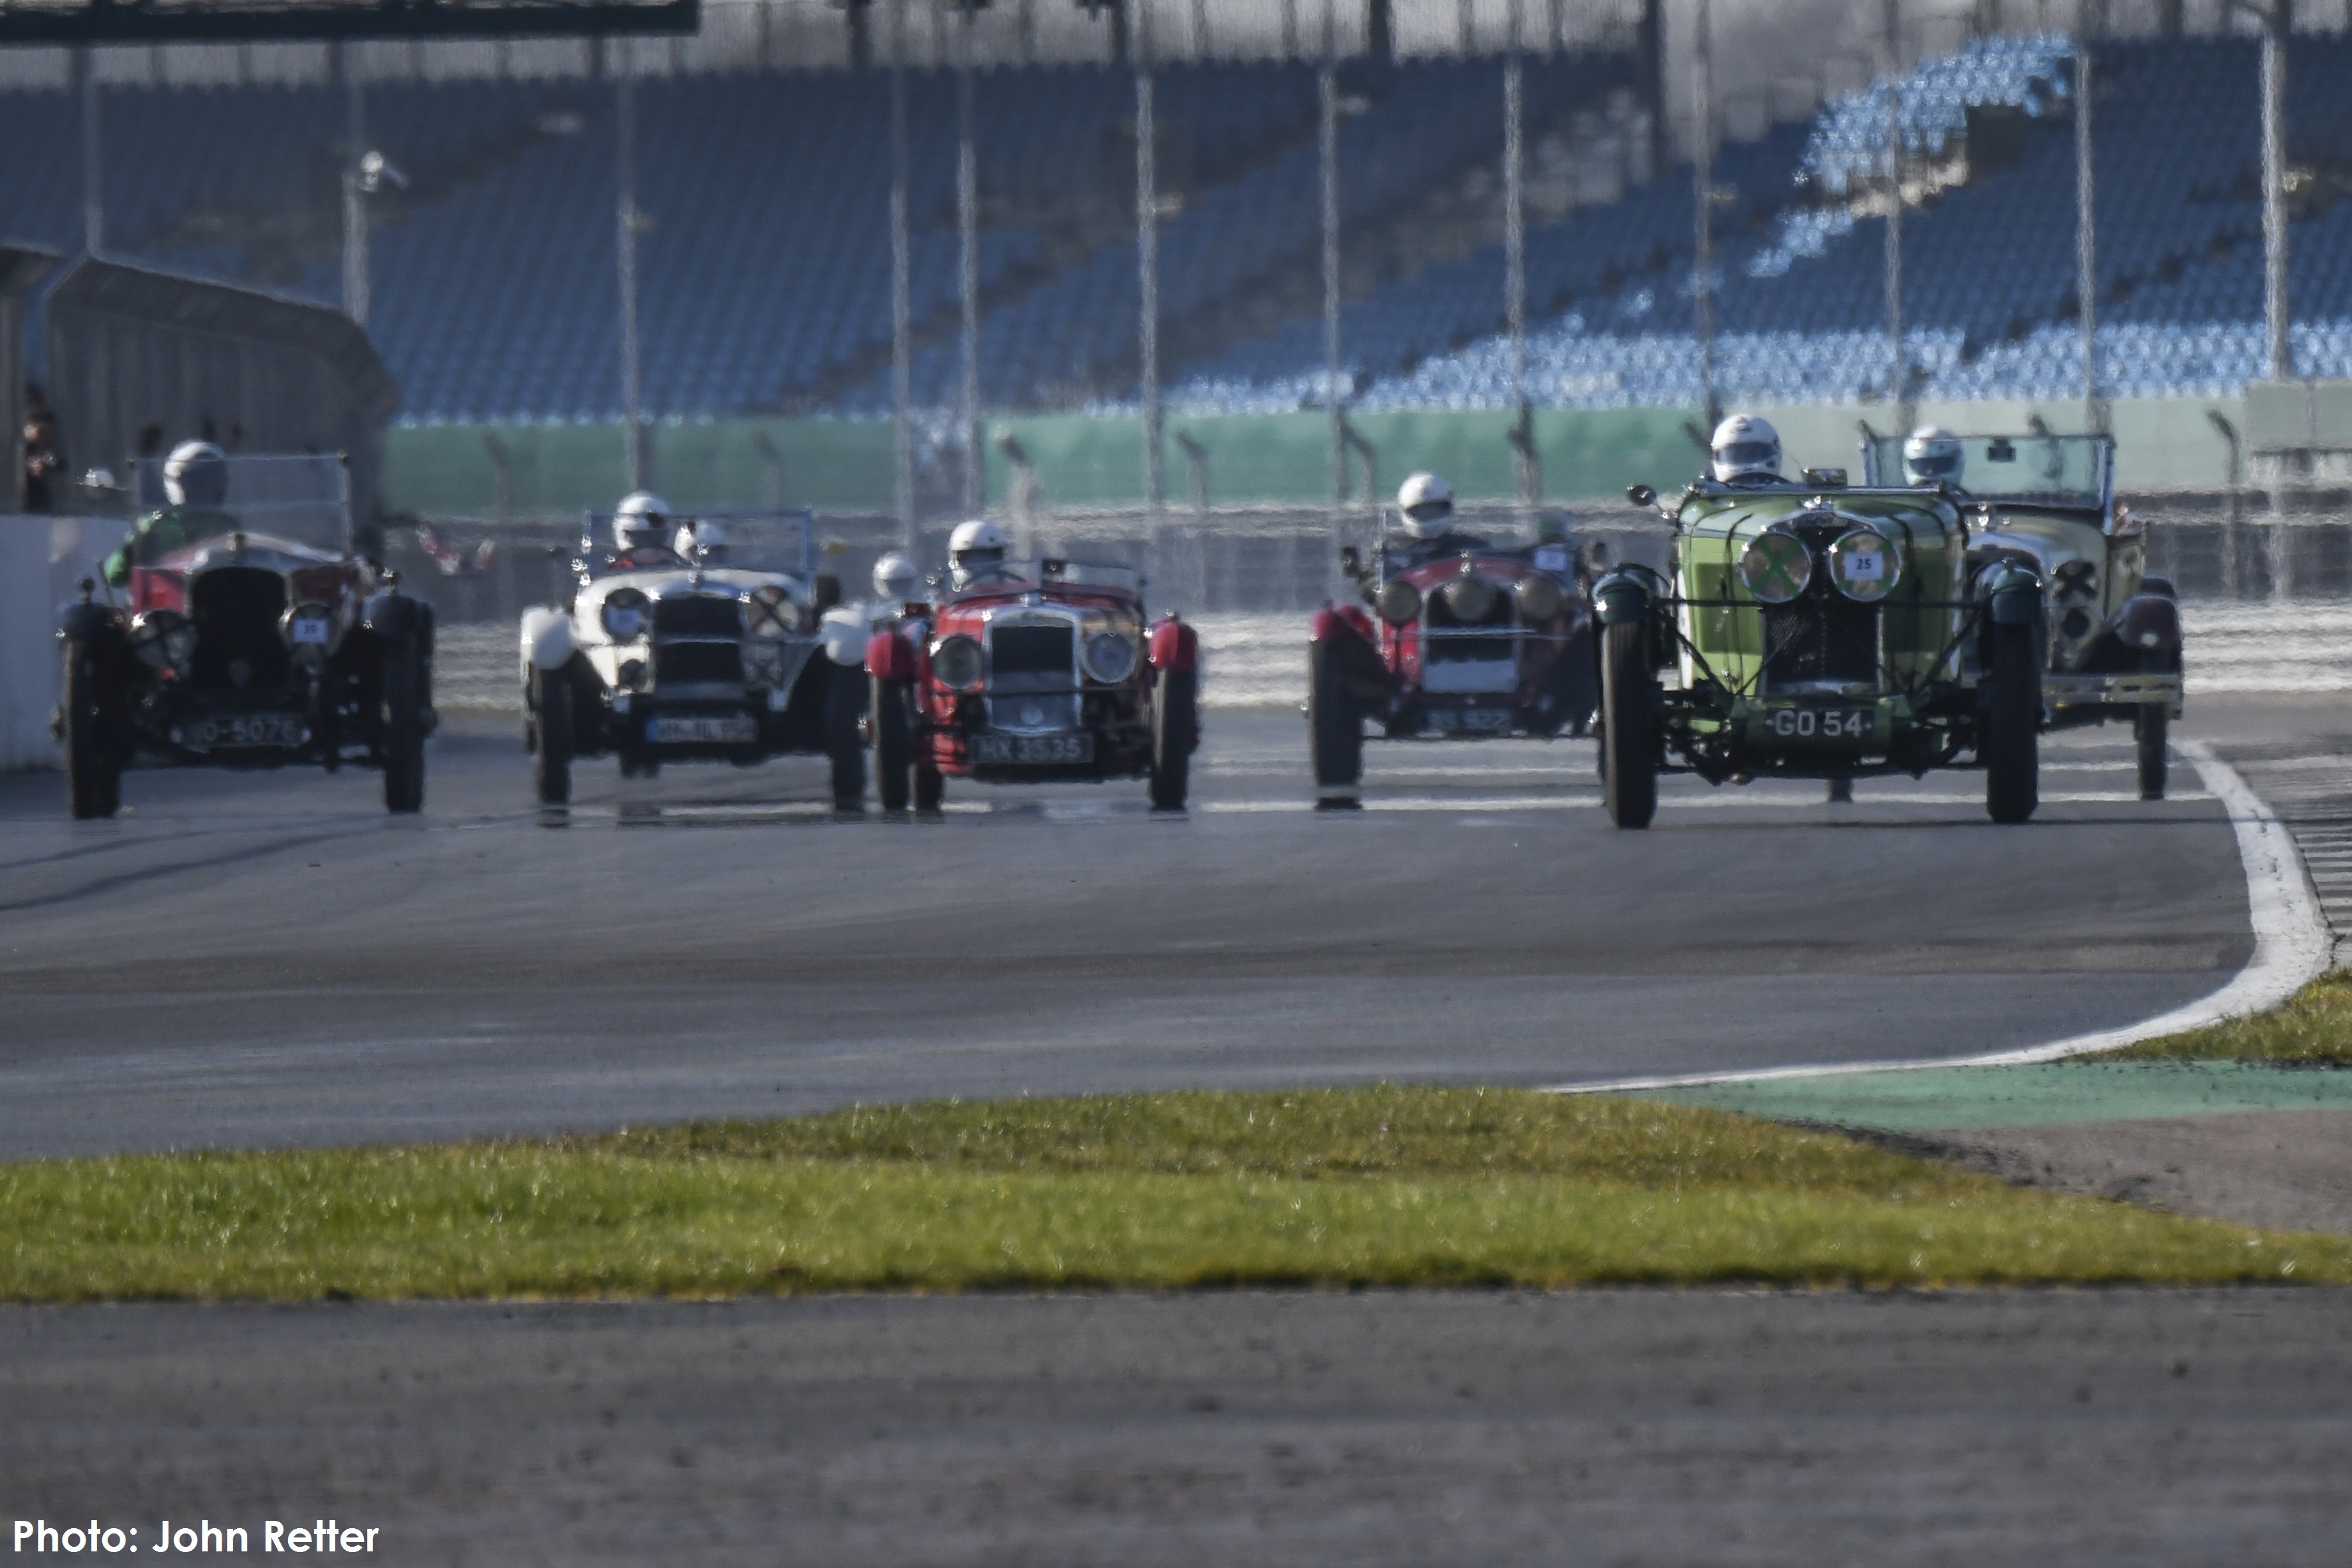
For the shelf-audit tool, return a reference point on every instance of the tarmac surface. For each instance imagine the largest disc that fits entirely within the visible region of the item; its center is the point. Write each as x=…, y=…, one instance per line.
x=2133, y=1428
x=260, y=960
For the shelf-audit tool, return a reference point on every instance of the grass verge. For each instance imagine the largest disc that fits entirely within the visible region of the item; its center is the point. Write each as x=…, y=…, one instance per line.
x=1386, y=1186
x=2312, y=1028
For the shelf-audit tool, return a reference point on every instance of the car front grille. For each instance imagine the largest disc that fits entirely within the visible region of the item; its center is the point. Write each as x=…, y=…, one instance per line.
x=698, y=616
x=693, y=663
x=1032, y=675
x=1820, y=639
x=235, y=610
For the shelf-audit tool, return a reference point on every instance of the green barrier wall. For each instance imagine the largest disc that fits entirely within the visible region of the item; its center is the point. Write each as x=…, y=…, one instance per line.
x=1081, y=461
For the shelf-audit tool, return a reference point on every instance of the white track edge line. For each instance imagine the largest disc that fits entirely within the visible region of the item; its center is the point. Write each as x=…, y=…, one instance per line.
x=2293, y=947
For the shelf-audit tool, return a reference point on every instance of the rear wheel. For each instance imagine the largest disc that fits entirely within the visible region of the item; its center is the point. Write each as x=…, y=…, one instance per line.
x=890, y=716
x=2152, y=728
x=930, y=790
x=1629, y=745
x=2011, y=745
x=93, y=772
x=1175, y=724
x=1334, y=728
x=845, y=703
x=404, y=731
x=550, y=768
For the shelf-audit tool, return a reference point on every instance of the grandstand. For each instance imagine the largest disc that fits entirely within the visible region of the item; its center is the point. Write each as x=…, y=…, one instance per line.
x=765, y=271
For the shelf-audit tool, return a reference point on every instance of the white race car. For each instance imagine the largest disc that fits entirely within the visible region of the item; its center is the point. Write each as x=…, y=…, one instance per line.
x=703, y=648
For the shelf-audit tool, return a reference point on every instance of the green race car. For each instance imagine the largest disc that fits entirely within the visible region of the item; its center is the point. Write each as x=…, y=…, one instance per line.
x=1826, y=630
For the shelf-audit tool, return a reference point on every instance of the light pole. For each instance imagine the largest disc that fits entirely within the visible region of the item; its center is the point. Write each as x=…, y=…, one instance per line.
x=1702, y=203
x=2087, y=258
x=1147, y=267
x=902, y=346
x=624, y=144
x=1327, y=82
x=1898, y=367
x=356, y=215
x=2278, y=23
x=968, y=261
x=93, y=172
x=1515, y=260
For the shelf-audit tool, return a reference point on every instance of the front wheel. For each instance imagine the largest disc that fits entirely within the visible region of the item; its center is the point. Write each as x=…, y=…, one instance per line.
x=1175, y=725
x=845, y=704
x=93, y=772
x=1335, y=729
x=1629, y=745
x=2151, y=728
x=890, y=717
x=404, y=731
x=550, y=769
x=2011, y=743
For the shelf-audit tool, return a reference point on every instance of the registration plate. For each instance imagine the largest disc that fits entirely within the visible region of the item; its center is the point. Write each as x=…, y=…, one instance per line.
x=704, y=730
x=1831, y=726
x=252, y=731
x=1032, y=751
x=1466, y=721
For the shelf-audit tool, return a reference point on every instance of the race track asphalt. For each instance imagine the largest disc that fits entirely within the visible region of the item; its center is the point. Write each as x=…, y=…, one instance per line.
x=267, y=958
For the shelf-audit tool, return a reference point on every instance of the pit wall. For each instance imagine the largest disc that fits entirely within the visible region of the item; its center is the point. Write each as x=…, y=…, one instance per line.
x=1078, y=460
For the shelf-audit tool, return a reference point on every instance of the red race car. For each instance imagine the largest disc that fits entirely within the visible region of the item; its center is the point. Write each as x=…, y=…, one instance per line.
x=1032, y=672
x=1473, y=639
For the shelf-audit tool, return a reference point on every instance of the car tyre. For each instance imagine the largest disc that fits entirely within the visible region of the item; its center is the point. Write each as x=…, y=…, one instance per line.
x=1334, y=728
x=2011, y=744
x=1628, y=746
x=2151, y=730
x=550, y=768
x=93, y=772
x=890, y=717
x=930, y=790
x=845, y=704
x=404, y=731
x=1175, y=728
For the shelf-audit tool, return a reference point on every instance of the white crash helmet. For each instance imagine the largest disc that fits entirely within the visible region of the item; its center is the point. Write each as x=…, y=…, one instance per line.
x=896, y=580
x=1427, y=502
x=641, y=520
x=1932, y=453
x=701, y=536
x=975, y=547
x=195, y=474
x=1745, y=447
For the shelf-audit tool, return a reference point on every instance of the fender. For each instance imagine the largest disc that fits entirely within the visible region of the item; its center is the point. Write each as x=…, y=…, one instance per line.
x=843, y=631
x=394, y=616
x=889, y=657
x=1175, y=647
x=2013, y=592
x=546, y=640
x=2160, y=586
x=1621, y=597
x=84, y=622
x=2148, y=621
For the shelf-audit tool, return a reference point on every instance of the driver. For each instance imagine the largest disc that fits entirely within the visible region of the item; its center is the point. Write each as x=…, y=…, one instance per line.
x=1932, y=456
x=896, y=584
x=976, y=552
x=196, y=484
x=1745, y=451
x=1426, y=503
x=641, y=533
x=702, y=540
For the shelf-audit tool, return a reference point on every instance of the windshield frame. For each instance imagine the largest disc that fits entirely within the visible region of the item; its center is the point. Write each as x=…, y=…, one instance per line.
x=299, y=498
x=1883, y=467
x=796, y=560
x=1043, y=571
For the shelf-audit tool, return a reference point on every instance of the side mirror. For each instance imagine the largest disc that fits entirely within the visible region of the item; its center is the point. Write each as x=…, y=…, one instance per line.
x=1351, y=559
x=1641, y=495
x=99, y=481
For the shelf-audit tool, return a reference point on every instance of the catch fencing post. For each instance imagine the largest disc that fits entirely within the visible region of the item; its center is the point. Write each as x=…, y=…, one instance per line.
x=902, y=346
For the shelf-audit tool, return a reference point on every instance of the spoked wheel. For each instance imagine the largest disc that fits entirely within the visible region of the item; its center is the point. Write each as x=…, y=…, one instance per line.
x=2012, y=747
x=550, y=764
x=1175, y=729
x=1629, y=737
x=404, y=731
x=890, y=716
x=93, y=772
x=2152, y=729
x=845, y=704
x=1334, y=728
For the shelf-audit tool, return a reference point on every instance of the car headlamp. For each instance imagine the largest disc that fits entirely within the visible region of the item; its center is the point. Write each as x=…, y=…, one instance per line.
x=309, y=632
x=1471, y=598
x=1777, y=567
x=1864, y=564
x=957, y=663
x=624, y=614
x=1110, y=656
x=163, y=639
x=1399, y=603
x=1539, y=598
x=769, y=612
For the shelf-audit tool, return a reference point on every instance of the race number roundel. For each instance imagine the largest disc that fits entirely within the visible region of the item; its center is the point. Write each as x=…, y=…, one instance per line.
x=1776, y=567
x=1862, y=565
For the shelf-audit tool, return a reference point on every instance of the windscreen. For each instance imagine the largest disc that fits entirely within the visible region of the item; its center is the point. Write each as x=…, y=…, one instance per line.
x=2041, y=470
x=301, y=500
x=744, y=541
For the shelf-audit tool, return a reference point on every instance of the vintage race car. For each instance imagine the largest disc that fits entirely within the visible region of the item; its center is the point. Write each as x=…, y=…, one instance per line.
x=1826, y=631
x=706, y=651
x=2110, y=633
x=252, y=633
x=1036, y=672
x=1471, y=643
